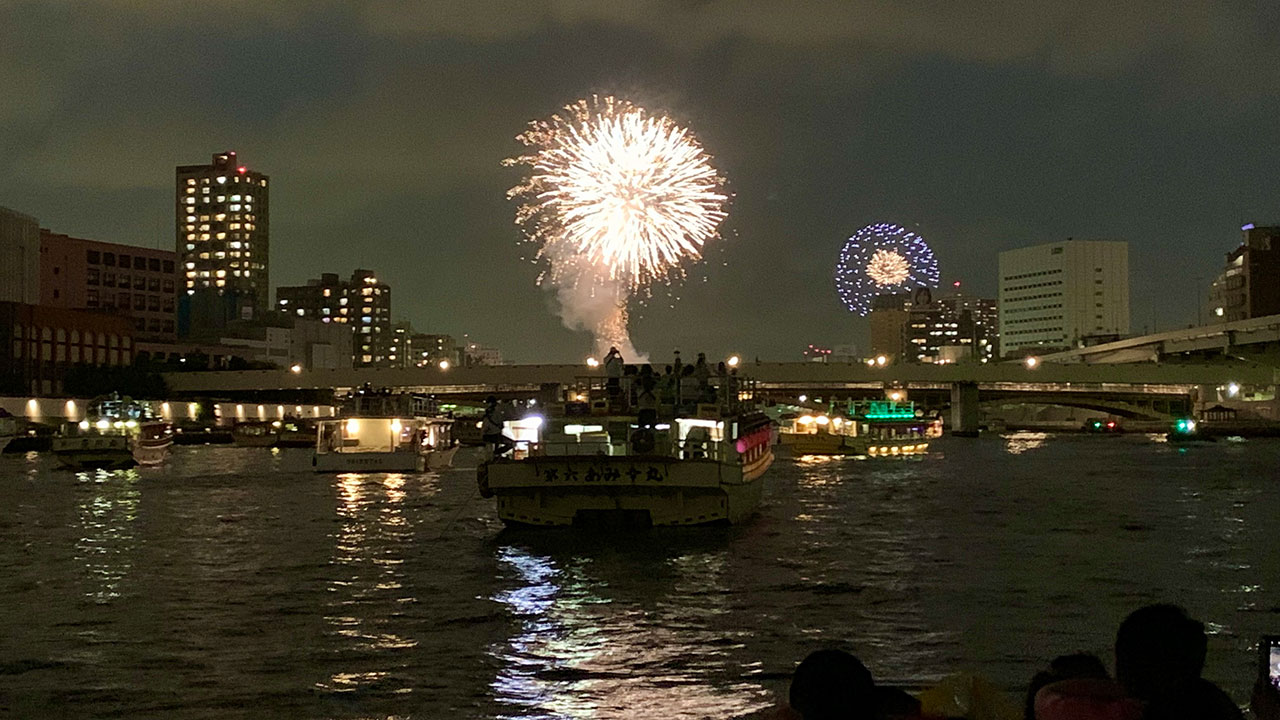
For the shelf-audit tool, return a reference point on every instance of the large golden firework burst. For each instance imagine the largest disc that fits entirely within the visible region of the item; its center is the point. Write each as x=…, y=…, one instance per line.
x=615, y=192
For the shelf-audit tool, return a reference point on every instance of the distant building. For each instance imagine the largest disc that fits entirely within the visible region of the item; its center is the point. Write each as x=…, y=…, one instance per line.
x=399, y=354
x=140, y=283
x=1249, y=285
x=476, y=354
x=361, y=303
x=889, y=318
x=977, y=325
x=39, y=345
x=429, y=349
x=1063, y=294
x=222, y=219
x=19, y=257
x=917, y=328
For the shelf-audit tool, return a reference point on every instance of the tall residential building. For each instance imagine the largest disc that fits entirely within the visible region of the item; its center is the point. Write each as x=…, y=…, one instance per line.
x=222, y=218
x=1063, y=294
x=1249, y=285
x=19, y=258
x=361, y=302
x=136, y=282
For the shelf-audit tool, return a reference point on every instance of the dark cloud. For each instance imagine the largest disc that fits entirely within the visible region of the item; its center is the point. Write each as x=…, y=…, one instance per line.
x=987, y=125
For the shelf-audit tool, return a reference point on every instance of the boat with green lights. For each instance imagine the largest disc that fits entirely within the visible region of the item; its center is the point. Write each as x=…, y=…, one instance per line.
x=878, y=428
x=1186, y=430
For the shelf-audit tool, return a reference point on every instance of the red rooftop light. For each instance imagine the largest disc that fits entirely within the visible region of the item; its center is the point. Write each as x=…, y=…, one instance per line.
x=242, y=169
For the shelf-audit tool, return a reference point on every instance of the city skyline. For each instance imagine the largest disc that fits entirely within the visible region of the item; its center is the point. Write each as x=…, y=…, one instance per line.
x=385, y=141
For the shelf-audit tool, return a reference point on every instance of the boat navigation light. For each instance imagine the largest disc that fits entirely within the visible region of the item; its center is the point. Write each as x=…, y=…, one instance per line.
x=84, y=424
x=823, y=419
x=592, y=362
x=733, y=361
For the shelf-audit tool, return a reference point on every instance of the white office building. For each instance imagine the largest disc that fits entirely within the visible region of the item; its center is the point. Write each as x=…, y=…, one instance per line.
x=1062, y=295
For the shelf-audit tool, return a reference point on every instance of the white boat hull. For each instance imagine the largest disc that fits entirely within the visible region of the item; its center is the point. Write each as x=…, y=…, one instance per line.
x=659, y=490
x=357, y=462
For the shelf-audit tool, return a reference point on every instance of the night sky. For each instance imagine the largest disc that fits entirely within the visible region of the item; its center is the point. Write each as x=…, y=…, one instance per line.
x=982, y=125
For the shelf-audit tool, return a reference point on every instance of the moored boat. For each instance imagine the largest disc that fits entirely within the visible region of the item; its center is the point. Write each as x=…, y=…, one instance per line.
x=879, y=428
x=115, y=433
x=384, y=433
x=256, y=433
x=601, y=463
x=8, y=429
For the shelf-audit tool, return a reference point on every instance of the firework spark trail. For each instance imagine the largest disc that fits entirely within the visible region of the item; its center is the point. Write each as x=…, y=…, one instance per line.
x=615, y=199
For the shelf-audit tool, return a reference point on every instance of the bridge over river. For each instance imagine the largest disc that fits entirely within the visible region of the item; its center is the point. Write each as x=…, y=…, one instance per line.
x=1156, y=391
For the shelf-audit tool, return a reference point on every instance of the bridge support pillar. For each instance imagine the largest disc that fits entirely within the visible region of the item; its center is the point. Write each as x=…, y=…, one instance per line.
x=964, y=409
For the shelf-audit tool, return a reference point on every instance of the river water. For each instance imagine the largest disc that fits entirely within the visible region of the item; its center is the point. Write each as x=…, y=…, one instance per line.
x=233, y=582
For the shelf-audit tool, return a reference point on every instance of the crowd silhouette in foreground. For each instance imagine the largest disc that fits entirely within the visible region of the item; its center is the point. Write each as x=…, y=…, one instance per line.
x=1159, y=656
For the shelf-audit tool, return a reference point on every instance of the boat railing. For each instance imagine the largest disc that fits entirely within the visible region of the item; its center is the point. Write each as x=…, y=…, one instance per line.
x=687, y=449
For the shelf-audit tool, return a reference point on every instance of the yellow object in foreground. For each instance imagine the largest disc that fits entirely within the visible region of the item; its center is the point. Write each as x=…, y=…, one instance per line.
x=968, y=696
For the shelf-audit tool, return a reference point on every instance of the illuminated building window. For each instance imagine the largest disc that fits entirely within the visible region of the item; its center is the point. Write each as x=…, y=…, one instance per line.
x=222, y=179
x=235, y=207
x=190, y=265
x=191, y=181
x=191, y=201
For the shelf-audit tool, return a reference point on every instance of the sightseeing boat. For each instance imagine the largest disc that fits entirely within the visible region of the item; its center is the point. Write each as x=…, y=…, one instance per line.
x=384, y=433
x=595, y=460
x=115, y=433
x=879, y=428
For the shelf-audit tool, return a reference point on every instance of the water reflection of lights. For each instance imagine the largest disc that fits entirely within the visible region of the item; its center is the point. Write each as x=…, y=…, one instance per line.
x=107, y=517
x=578, y=654
x=1020, y=442
x=370, y=570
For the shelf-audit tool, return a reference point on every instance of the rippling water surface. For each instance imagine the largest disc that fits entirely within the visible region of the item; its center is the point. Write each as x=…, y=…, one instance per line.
x=236, y=583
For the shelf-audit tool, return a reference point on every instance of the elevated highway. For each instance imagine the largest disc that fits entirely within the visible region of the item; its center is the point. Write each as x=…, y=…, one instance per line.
x=1256, y=339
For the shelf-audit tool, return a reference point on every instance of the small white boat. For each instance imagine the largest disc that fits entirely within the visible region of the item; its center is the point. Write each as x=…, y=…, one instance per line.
x=586, y=463
x=374, y=437
x=116, y=433
x=879, y=428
